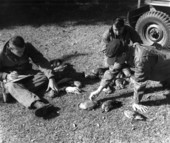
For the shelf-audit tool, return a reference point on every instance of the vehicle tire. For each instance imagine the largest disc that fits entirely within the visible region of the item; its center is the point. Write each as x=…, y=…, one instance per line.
x=154, y=26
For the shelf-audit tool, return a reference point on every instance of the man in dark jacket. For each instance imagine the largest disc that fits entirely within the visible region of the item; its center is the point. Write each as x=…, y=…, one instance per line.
x=16, y=59
x=149, y=62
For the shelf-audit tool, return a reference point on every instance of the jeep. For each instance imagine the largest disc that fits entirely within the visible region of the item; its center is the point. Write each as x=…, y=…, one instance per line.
x=151, y=19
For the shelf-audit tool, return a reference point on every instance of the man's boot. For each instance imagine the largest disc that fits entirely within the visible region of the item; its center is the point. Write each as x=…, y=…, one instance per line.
x=42, y=109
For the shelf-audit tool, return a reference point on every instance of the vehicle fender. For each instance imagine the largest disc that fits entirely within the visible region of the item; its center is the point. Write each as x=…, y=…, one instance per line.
x=134, y=15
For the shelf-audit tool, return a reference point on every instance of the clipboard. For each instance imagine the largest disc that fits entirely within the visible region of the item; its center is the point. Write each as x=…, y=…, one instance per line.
x=20, y=77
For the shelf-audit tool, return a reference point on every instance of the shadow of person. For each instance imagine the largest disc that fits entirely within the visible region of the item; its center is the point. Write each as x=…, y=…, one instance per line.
x=153, y=89
x=123, y=93
x=158, y=102
x=67, y=73
x=71, y=56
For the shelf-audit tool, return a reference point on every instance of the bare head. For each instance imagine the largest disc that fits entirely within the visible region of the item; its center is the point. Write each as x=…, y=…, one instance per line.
x=118, y=26
x=17, y=45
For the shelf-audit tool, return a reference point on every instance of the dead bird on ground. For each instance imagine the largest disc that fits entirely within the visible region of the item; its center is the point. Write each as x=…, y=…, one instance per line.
x=88, y=105
x=134, y=116
x=110, y=104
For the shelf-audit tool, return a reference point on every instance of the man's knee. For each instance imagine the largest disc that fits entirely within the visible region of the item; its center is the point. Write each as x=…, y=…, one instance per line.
x=107, y=75
x=10, y=86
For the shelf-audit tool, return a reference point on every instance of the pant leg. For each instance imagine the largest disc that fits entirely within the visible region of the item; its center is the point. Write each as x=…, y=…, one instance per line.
x=106, y=65
x=107, y=78
x=21, y=94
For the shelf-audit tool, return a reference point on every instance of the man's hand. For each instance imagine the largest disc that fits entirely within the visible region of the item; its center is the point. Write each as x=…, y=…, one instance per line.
x=96, y=93
x=74, y=90
x=52, y=85
x=13, y=75
x=93, y=95
x=139, y=107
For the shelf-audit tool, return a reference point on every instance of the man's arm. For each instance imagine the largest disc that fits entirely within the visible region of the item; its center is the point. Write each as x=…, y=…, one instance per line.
x=38, y=58
x=108, y=76
x=43, y=65
x=105, y=39
x=135, y=36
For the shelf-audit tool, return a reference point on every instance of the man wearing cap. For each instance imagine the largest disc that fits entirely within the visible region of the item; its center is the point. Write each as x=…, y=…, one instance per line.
x=16, y=59
x=119, y=30
x=150, y=63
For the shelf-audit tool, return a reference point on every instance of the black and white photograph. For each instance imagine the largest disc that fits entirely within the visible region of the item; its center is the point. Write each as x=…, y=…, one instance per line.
x=84, y=71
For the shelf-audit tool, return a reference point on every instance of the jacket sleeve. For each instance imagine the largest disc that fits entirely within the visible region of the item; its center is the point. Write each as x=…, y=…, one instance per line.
x=38, y=59
x=106, y=38
x=135, y=36
x=110, y=74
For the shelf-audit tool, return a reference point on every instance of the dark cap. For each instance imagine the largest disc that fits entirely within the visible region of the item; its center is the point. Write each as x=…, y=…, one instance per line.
x=114, y=48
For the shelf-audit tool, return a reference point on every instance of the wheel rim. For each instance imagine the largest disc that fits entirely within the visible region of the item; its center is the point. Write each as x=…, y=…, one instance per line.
x=154, y=32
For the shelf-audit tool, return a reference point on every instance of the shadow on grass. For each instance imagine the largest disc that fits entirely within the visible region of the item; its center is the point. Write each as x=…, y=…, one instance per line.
x=124, y=93
x=117, y=96
x=158, y=102
x=71, y=56
x=69, y=72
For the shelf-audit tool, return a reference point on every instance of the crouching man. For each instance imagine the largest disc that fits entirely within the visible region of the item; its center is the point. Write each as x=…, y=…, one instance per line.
x=15, y=59
x=150, y=64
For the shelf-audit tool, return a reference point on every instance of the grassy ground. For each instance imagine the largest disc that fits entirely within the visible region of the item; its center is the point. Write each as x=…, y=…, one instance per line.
x=75, y=37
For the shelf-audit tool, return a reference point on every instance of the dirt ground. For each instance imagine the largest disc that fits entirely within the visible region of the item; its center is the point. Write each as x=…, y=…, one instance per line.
x=75, y=37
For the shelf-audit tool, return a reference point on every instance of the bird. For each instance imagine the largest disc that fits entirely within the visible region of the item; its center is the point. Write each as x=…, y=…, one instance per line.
x=133, y=115
x=88, y=105
x=109, y=105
